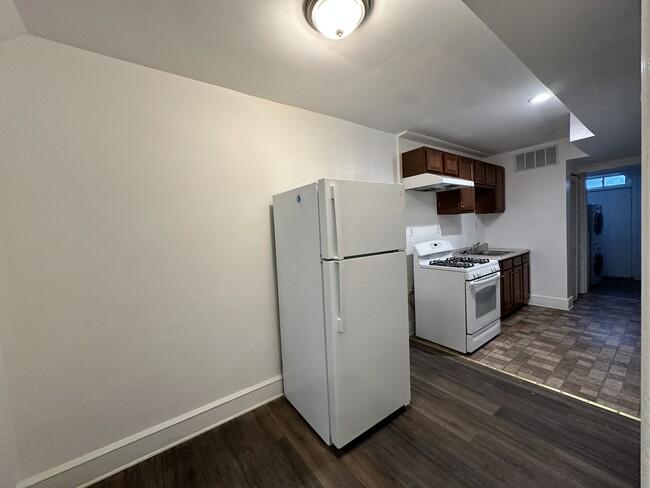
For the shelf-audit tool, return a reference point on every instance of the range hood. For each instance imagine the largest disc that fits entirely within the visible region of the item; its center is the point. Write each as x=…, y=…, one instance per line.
x=433, y=182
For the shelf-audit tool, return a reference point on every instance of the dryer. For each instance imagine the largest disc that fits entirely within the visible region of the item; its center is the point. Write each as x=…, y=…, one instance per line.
x=596, y=263
x=595, y=221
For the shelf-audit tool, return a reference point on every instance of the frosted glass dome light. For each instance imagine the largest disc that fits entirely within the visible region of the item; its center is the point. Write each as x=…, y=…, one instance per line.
x=336, y=19
x=542, y=97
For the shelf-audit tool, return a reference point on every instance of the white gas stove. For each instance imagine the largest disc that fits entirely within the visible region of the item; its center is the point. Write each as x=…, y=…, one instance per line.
x=457, y=298
x=439, y=255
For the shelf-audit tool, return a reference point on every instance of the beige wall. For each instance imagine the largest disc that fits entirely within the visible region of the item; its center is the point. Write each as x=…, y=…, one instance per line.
x=137, y=266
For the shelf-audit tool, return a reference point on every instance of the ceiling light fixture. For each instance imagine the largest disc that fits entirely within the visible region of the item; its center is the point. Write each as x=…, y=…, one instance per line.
x=336, y=19
x=542, y=97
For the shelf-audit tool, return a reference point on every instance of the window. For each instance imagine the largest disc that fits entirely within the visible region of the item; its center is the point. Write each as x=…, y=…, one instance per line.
x=594, y=183
x=606, y=181
x=614, y=180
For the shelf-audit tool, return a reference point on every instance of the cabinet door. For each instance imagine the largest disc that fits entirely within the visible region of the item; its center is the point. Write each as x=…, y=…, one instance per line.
x=479, y=172
x=435, y=162
x=448, y=202
x=466, y=200
x=454, y=202
x=483, y=200
x=526, y=281
x=466, y=168
x=490, y=174
x=500, y=190
x=517, y=285
x=451, y=164
x=413, y=162
x=506, y=292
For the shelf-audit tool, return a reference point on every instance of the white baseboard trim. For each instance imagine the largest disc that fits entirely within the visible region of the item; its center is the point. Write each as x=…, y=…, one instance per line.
x=102, y=463
x=551, y=302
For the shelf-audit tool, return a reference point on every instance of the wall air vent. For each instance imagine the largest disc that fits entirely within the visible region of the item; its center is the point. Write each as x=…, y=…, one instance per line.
x=546, y=156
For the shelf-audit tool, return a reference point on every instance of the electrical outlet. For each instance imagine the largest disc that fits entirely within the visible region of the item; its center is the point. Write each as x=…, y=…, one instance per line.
x=410, y=231
x=436, y=230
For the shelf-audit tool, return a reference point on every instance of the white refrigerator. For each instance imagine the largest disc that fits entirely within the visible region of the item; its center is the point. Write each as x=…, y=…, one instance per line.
x=342, y=291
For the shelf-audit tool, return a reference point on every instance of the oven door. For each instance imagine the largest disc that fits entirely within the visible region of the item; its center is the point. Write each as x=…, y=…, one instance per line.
x=482, y=302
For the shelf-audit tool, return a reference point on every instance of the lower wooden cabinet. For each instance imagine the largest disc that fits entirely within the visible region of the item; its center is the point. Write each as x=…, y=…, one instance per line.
x=515, y=283
x=526, y=279
x=506, y=293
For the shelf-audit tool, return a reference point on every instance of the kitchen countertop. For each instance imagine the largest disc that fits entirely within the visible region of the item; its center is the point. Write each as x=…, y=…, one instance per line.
x=511, y=253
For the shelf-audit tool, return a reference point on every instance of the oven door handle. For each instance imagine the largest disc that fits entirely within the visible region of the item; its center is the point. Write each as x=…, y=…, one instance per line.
x=482, y=281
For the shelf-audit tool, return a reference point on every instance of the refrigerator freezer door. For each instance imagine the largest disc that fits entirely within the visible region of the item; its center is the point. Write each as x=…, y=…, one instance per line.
x=358, y=218
x=367, y=341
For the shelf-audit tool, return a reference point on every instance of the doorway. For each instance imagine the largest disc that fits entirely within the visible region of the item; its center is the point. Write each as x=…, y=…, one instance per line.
x=616, y=236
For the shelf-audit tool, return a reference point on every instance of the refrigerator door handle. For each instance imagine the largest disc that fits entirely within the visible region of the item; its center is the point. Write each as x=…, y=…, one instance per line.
x=337, y=217
x=340, y=325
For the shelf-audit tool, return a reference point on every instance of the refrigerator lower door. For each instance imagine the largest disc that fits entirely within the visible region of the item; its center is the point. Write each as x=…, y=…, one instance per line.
x=366, y=331
x=358, y=217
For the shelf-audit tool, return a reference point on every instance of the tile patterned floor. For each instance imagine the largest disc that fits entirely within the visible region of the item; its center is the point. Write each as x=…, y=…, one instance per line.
x=592, y=351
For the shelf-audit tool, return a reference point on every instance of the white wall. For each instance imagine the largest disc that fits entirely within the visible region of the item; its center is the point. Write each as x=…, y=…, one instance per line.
x=424, y=224
x=137, y=265
x=422, y=219
x=535, y=218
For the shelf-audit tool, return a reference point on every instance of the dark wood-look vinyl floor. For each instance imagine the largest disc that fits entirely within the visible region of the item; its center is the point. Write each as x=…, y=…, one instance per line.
x=592, y=351
x=467, y=426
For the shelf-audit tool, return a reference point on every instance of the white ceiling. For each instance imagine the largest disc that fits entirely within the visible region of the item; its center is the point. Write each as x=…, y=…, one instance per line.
x=589, y=53
x=429, y=67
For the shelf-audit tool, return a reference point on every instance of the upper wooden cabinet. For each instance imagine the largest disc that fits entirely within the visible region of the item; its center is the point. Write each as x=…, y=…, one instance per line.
x=488, y=194
x=466, y=168
x=479, y=173
x=484, y=174
x=451, y=164
x=500, y=190
x=458, y=201
x=454, y=202
x=491, y=199
x=490, y=174
x=427, y=160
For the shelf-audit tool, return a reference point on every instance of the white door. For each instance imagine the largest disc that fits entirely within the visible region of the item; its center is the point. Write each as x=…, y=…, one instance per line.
x=358, y=218
x=366, y=321
x=616, y=237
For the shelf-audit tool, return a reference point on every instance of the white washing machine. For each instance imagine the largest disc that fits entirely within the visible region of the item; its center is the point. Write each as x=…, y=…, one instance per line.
x=595, y=222
x=596, y=262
